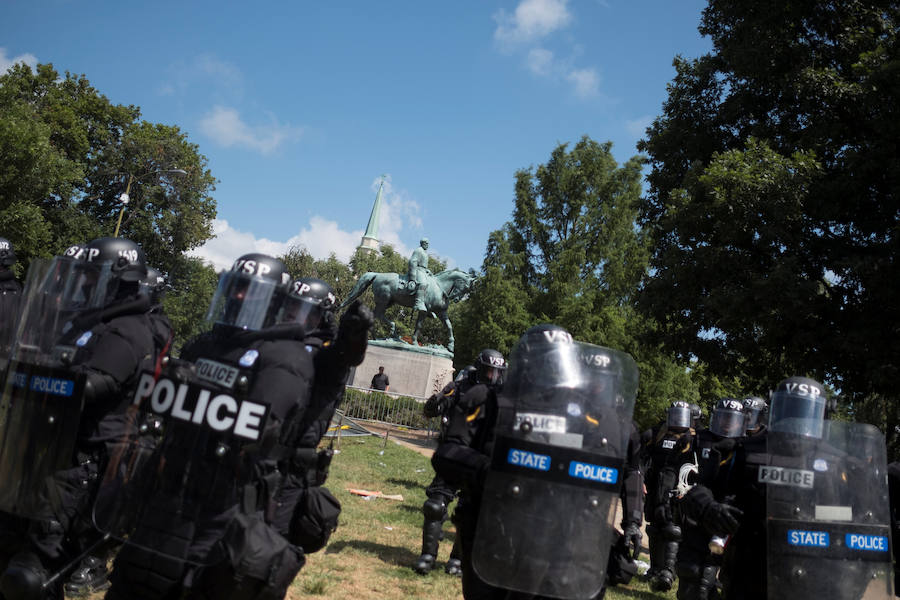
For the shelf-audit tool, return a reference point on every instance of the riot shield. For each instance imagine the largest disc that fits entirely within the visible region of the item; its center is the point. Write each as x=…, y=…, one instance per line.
x=546, y=522
x=828, y=522
x=42, y=398
x=173, y=484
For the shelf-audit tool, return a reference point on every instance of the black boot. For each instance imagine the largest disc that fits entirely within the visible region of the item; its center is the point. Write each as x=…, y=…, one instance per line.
x=431, y=537
x=454, y=565
x=90, y=576
x=664, y=578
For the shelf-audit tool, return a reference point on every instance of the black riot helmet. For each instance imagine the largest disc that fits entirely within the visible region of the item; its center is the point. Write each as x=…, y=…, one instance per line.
x=467, y=373
x=545, y=333
x=112, y=269
x=126, y=258
x=679, y=415
x=75, y=251
x=696, y=415
x=306, y=302
x=7, y=253
x=727, y=418
x=798, y=406
x=756, y=413
x=154, y=285
x=490, y=367
x=250, y=295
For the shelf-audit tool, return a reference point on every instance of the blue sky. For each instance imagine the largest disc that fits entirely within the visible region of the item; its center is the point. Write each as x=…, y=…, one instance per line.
x=300, y=107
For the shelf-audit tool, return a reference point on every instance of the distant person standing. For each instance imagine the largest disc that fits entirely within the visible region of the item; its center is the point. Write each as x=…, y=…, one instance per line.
x=380, y=381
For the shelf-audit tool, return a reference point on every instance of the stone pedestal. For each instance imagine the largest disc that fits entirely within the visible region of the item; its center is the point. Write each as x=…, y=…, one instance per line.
x=412, y=373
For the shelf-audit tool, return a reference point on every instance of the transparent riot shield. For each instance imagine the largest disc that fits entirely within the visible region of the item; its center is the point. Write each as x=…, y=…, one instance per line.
x=174, y=483
x=60, y=297
x=828, y=522
x=42, y=396
x=546, y=523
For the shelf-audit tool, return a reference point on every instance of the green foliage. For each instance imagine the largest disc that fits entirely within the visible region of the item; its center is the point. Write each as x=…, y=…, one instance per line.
x=67, y=154
x=193, y=284
x=773, y=197
x=573, y=255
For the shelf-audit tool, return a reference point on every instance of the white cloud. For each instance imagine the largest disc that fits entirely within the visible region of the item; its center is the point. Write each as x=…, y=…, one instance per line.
x=586, y=82
x=225, y=126
x=6, y=62
x=320, y=236
x=532, y=20
x=204, y=70
x=540, y=62
x=638, y=127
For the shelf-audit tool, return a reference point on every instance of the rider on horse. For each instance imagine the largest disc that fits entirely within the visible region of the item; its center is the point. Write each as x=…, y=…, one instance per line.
x=419, y=273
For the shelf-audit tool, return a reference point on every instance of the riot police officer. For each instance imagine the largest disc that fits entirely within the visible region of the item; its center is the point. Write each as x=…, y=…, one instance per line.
x=97, y=330
x=695, y=566
x=487, y=370
x=306, y=512
x=564, y=405
x=804, y=516
x=756, y=411
x=216, y=468
x=668, y=448
x=92, y=574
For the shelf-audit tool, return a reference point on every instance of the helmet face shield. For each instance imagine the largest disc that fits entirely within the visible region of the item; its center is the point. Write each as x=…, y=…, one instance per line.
x=679, y=416
x=727, y=423
x=798, y=407
x=245, y=301
x=490, y=375
x=303, y=312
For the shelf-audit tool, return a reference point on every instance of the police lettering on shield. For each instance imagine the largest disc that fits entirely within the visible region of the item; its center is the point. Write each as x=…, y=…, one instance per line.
x=195, y=404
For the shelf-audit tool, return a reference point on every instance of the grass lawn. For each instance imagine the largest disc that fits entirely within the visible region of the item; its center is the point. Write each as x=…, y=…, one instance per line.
x=371, y=553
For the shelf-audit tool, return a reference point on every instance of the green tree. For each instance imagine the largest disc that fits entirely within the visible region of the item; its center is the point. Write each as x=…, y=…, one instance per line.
x=773, y=197
x=66, y=155
x=573, y=255
x=193, y=283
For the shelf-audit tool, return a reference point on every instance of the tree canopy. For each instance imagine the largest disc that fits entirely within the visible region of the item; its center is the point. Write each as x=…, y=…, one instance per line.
x=67, y=154
x=773, y=197
x=573, y=255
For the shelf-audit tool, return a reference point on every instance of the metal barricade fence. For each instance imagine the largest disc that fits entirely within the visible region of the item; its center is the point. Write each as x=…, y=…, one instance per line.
x=365, y=404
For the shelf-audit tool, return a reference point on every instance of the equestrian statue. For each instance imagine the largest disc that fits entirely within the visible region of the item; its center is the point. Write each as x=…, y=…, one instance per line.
x=426, y=293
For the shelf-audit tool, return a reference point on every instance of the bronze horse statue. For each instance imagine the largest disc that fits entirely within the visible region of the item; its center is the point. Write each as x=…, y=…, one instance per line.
x=391, y=288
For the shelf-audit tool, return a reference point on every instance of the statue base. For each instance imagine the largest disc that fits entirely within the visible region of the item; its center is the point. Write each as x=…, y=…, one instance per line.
x=417, y=371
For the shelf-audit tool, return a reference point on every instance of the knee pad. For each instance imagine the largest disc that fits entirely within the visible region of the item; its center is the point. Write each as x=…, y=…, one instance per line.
x=672, y=532
x=434, y=509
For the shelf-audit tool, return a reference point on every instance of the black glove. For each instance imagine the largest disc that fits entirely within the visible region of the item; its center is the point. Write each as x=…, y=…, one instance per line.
x=633, y=538
x=328, y=327
x=722, y=518
x=353, y=332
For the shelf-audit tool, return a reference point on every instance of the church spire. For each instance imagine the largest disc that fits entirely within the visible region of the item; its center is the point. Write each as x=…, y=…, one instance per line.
x=370, y=237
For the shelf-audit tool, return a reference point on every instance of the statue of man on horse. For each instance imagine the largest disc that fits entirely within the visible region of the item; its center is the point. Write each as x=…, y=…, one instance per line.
x=425, y=293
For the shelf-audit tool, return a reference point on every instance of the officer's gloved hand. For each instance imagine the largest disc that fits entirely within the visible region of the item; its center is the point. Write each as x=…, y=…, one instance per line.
x=353, y=332
x=633, y=538
x=328, y=327
x=722, y=518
